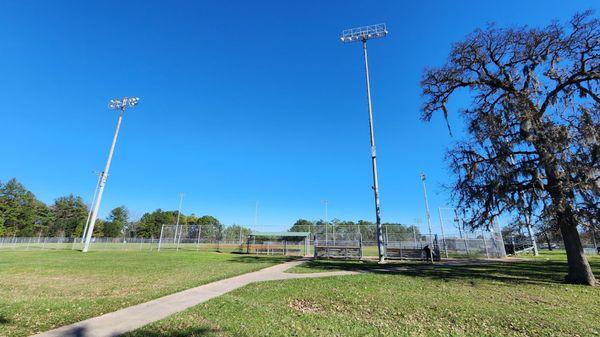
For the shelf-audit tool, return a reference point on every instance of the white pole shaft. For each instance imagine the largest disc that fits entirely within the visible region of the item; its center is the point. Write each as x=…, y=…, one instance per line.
x=380, y=248
x=499, y=231
x=414, y=228
x=179, y=209
x=103, y=177
x=487, y=253
x=87, y=221
x=427, y=212
x=443, y=235
x=161, y=235
x=531, y=235
x=178, y=216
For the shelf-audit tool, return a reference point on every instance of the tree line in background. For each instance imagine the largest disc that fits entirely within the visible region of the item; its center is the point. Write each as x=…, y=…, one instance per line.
x=23, y=215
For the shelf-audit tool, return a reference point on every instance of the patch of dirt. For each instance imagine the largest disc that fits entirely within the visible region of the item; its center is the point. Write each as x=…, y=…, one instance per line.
x=304, y=306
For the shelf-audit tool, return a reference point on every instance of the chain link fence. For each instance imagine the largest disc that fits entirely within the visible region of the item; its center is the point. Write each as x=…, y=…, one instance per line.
x=451, y=244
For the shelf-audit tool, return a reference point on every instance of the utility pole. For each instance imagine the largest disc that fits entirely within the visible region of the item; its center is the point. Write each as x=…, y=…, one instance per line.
x=115, y=104
x=363, y=34
x=427, y=209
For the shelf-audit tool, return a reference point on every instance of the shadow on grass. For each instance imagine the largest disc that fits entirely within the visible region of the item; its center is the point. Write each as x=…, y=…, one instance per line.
x=192, y=332
x=527, y=272
x=4, y=320
x=186, y=332
x=261, y=258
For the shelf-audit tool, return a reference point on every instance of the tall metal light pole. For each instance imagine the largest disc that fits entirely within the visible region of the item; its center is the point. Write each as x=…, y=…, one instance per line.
x=427, y=209
x=363, y=34
x=115, y=104
x=181, y=195
x=87, y=221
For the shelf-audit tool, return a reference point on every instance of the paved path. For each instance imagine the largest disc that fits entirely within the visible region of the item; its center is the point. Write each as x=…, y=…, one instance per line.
x=131, y=318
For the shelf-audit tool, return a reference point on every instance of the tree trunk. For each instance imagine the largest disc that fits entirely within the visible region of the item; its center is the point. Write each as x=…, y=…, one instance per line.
x=548, y=240
x=580, y=271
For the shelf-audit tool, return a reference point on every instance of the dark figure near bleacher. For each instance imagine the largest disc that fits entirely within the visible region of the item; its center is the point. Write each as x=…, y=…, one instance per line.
x=428, y=254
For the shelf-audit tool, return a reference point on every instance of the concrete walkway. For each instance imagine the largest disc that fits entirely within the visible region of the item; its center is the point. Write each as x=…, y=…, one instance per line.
x=131, y=318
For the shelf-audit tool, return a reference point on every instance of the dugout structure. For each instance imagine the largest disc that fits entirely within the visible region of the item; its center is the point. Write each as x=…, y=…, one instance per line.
x=278, y=243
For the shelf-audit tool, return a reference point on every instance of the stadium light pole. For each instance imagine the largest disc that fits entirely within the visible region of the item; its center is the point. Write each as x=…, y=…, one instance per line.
x=363, y=34
x=87, y=221
x=115, y=104
x=427, y=209
x=181, y=195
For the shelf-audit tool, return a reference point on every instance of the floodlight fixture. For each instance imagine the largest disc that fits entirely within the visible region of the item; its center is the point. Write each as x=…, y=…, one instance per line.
x=122, y=103
x=364, y=33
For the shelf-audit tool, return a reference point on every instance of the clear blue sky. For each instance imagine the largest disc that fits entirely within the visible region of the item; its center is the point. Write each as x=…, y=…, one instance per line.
x=240, y=101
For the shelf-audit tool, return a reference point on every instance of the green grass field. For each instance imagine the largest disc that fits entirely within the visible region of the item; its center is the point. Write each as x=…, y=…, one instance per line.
x=402, y=299
x=40, y=290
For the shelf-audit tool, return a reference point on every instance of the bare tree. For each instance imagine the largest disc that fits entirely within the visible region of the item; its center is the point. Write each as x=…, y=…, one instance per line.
x=532, y=123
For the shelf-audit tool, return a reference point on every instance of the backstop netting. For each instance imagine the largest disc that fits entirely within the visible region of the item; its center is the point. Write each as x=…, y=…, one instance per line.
x=456, y=240
x=199, y=238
